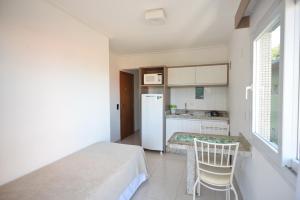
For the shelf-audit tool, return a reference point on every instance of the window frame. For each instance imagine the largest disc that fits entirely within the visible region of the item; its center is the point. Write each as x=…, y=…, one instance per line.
x=273, y=23
x=272, y=17
x=296, y=163
x=292, y=85
x=284, y=158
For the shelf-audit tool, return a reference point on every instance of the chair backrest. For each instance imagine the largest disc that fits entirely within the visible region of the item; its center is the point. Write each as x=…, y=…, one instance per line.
x=217, y=156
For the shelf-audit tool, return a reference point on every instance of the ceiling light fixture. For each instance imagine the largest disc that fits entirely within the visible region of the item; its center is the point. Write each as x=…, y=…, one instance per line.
x=155, y=16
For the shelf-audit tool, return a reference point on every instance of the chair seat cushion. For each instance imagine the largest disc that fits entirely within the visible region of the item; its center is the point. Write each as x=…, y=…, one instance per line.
x=214, y=179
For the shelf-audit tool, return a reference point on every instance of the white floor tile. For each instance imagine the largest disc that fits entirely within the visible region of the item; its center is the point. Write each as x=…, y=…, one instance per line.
x=167, y=178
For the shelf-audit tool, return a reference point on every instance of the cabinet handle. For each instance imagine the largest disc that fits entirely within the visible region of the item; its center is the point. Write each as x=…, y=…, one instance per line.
x=248, y=88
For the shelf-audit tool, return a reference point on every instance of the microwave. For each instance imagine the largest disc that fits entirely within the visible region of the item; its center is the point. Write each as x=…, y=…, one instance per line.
x=153, y=79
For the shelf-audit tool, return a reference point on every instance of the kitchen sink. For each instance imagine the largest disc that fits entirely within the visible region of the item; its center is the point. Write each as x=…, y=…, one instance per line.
x=190, y=114
x=186, y=114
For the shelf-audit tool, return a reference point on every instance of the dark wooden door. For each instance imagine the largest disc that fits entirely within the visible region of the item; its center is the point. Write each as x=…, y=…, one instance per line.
x=126, y=104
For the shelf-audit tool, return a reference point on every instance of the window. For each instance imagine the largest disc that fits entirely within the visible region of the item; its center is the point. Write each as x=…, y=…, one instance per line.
x=291, y=87
x=276, y=87
x=266, y=73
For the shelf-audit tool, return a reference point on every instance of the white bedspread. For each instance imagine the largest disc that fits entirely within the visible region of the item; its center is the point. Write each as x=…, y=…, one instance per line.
x=102, y=171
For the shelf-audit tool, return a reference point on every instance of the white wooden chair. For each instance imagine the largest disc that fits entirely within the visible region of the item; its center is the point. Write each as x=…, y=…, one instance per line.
x=215, y=165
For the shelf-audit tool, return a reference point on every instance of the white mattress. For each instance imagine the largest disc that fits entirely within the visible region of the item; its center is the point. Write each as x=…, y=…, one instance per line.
x=101, y=171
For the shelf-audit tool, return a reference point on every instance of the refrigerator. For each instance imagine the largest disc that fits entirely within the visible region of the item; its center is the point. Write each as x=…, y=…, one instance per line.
x=152, y=121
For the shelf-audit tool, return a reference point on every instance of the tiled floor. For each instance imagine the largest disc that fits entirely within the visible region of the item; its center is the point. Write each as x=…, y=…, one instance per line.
x=167, y=177
x=132, y=139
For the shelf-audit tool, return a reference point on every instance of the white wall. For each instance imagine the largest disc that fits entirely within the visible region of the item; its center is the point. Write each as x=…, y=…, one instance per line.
x=114, y=98
x=239, y=78
x=54, y=85
x=215, y=98
x=204, y=55
x=257, y=177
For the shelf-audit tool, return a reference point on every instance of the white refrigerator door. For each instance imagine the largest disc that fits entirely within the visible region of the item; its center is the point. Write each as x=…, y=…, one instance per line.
x=152, y=121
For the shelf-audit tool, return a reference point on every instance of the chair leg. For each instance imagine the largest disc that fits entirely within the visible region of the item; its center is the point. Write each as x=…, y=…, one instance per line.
x=199, y=189
x=235, y=193
x=195, y=189
x=228, y=193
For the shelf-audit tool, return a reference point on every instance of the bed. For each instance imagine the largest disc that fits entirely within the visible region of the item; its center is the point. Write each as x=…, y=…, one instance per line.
x=107, y=171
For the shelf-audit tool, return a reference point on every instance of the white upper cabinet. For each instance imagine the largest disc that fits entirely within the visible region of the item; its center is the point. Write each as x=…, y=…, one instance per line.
x=182, y=76
x=211, y=75
x=199, y=75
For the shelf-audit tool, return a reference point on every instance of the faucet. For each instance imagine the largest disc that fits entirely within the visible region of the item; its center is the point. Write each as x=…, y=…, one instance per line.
x=185, y=108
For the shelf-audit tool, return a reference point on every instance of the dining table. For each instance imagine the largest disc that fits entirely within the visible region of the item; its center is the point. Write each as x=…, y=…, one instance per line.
x=183, y=143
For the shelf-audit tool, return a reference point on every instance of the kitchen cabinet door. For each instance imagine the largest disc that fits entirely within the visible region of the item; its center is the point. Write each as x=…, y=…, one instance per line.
x=181, y=76
x=172, y=126
x=217, y=127
x=211, y=75
x=191, y=126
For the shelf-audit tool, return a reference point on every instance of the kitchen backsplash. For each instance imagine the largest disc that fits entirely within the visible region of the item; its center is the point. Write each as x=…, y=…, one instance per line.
x=215, y=98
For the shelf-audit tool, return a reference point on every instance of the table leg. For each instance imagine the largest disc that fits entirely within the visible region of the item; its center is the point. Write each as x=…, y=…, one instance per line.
x=191, y=172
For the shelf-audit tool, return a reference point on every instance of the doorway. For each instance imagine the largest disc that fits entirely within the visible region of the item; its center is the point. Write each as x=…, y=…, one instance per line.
x=126, y=104
x=130, y=116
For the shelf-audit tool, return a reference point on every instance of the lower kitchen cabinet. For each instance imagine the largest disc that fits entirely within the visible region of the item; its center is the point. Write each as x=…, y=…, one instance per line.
x=172, y=126
x=219, y=127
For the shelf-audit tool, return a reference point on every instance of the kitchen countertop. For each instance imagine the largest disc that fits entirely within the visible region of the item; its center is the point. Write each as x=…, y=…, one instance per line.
x=201, y=115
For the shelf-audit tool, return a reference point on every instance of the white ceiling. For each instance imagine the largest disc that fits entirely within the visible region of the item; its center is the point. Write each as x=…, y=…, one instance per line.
x=189, y=23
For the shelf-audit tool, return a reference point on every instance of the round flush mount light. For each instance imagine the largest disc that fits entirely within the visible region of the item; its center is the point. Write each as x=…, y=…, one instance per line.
x=155, y=16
